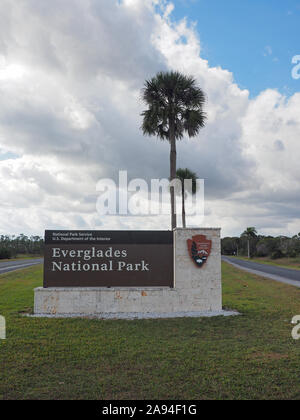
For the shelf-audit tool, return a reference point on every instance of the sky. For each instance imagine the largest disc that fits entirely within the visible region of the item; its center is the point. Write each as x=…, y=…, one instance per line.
x=71, y=73
x=254, y=39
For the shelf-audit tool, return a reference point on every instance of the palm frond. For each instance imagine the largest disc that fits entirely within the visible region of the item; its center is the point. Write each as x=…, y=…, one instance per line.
x=184, y=174
x=172, y=96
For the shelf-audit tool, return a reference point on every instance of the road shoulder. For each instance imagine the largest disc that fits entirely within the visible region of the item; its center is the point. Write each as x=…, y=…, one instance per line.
x=263, y=274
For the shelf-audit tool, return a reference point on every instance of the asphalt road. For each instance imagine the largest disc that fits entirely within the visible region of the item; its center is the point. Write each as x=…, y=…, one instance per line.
x=6, y=267
x=285, y=275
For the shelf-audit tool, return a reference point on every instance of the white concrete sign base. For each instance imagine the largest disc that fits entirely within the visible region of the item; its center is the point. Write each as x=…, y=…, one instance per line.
x=197, y=290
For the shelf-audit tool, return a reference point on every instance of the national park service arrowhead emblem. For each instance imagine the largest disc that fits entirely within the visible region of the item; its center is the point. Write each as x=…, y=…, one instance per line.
x=199, y=249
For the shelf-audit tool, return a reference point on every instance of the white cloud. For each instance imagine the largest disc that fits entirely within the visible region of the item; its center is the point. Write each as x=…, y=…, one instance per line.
x=70, y=80
x=268, y=51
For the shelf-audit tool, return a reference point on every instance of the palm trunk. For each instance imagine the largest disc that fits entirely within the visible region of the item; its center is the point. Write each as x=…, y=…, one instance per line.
x=248, y=248
x=172, y=171
x=183, y=206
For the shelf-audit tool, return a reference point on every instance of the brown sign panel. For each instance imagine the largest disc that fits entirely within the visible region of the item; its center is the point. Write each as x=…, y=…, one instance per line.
x=199, y=249
x=108, y=259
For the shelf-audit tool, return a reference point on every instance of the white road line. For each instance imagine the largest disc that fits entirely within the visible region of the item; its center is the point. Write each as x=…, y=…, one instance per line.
x=266, y=275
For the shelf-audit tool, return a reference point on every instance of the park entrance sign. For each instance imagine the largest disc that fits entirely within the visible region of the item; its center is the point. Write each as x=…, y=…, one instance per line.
x=108, y=259
x=131, y=274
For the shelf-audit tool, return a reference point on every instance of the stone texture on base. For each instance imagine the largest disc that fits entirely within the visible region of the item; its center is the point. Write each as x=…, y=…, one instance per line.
x=140, y=315
x=196, y=289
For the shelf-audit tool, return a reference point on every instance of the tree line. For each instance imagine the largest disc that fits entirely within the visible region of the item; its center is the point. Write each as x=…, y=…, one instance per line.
x=11, y=246
x=251, y=244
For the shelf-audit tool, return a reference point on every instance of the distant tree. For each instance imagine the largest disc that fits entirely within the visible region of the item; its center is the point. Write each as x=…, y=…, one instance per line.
x=11, y=246
x=230, y=246
x=249, y=233
x=182, y=175
x=266, y=246
x=262, y=246
x=237, y=243
x=175, y=107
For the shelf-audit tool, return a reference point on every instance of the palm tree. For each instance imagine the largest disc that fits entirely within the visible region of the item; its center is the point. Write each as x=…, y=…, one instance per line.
x=175, y=107
x=249, y=233
x=182, y=175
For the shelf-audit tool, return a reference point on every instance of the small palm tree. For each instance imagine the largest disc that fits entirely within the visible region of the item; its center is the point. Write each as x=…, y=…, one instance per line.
x=182, y=175
x=175, y=107
x=249, y=233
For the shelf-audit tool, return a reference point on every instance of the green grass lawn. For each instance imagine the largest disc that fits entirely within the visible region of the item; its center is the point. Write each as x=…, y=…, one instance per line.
x=293, y=263
x=251, y=356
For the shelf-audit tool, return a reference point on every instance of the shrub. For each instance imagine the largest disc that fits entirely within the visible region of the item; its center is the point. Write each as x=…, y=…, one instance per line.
x=5, y=253
x=262, y=249
x=277, y=254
